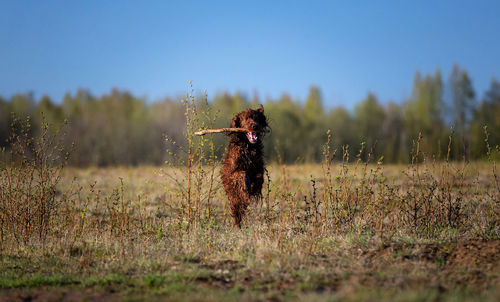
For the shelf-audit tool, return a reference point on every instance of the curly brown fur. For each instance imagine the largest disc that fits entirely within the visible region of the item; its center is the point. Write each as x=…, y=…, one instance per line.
x=243, y=170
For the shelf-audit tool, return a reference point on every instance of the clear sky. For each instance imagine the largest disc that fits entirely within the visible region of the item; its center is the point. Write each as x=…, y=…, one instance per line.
x=152, y=48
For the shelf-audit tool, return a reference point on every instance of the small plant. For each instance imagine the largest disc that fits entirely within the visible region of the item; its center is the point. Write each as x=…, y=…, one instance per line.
x=194, y=176
x=29, y=174
x=491, y=213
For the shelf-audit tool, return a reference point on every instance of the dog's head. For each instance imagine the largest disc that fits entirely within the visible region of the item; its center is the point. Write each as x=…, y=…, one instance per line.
x=252, y=120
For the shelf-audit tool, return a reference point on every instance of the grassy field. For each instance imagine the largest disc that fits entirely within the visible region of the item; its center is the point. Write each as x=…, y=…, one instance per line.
x=355, y=232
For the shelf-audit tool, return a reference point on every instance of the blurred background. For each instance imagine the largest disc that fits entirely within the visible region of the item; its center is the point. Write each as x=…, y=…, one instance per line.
x=374, y=73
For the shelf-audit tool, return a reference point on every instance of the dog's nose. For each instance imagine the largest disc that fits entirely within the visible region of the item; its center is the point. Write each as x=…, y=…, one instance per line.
x=255, y=127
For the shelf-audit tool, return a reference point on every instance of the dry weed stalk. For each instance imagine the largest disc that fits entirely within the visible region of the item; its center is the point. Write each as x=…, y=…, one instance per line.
x=29, y=174
x=191, y=184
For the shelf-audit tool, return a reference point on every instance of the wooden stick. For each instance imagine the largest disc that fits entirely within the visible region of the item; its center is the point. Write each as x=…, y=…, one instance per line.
x=220, y=130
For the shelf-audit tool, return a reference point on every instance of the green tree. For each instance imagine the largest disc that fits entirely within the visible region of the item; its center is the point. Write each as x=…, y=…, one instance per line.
x=393, y=132
x=22, y=105
x=369, y=118
x=314, y=125
x=423, y=114
x=286, y=139
x=340, y=121
x=486, y=114
x=463, y=97
x=313, y=108
x=462, y=93
x=168, y=120
x=4, y=121
x=83, y=130
x=49, y=112
x=225, y=106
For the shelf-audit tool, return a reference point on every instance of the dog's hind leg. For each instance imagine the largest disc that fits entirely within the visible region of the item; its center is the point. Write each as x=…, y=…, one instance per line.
x=237, y=211
x=240, y=197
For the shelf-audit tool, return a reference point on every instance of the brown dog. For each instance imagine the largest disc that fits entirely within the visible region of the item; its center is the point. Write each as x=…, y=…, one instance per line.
x=243, y=171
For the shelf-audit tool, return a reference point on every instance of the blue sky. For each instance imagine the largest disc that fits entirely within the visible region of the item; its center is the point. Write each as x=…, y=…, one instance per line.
x=152, y=48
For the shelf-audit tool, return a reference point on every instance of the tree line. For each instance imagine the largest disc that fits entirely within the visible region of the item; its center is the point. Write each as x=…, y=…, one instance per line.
x=445, y=117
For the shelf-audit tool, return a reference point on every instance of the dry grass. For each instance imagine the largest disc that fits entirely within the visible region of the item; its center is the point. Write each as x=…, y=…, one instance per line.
x=335, y=231
x=125, y=230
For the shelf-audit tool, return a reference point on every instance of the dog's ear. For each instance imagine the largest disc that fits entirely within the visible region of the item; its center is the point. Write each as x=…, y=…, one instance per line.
x=235, y=122
x=261, y=109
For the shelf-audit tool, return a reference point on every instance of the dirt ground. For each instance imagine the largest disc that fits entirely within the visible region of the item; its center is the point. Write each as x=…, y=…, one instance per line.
x=474, y=265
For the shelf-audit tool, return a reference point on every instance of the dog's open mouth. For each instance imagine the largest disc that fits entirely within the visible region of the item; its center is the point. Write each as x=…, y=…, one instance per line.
x=252, y=137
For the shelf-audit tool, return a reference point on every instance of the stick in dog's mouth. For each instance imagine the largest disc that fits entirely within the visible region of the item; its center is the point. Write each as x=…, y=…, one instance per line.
x=220, y=130
x=252, y=136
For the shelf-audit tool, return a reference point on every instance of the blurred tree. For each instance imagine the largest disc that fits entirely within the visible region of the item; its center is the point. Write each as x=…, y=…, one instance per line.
x=486, y=114
x=313, y=108
x=168, y=120
x=225, y=106
x=423, y=114
x=229, y=105
x=22, y=105
x=341, y=123
x=4, y=121
x=123, y=132
x=49, y=112
x=83, y=131
x=463, y=97
x=286, y=140
x=462, y=93
x=368, y=121
x=314, y=123
x=255, y=102
x=120, y=129
x=393, y=132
